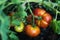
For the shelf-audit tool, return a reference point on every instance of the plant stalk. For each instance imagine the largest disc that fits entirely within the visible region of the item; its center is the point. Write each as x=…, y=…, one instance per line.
x=31, y=13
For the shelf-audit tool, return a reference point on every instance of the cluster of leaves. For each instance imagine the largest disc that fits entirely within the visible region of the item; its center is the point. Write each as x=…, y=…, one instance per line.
x=56, y=25
x=54, y=7
x=6, y=21
x=20, y=15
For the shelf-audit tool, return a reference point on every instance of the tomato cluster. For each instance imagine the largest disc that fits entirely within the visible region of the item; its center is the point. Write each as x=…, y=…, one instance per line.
x=41, y=19
x=45, y=17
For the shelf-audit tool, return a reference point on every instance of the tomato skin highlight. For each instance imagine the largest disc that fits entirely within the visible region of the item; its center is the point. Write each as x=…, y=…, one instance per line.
x=32, y=31
x=38, y=12
x=19, y=28
x=43, y=24
x=47, y=17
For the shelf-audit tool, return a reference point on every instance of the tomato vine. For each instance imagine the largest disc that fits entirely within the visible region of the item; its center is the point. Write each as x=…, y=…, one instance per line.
x=12, y=13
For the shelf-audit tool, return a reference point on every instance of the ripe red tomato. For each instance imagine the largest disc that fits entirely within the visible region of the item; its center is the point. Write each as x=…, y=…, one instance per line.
x=38, y=12
x=32, y=31
x=45, y=18
x=43, y=24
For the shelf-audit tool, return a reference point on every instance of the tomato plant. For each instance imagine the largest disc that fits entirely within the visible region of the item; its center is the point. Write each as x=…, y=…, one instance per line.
x=32, y=31
x=45, y=19
x=19, y=28
x=13, y=13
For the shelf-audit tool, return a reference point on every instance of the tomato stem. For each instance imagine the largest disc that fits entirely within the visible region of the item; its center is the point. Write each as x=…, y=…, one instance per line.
x=56, y=15
x=39, y=18
x=10, y=22
x=31, y=12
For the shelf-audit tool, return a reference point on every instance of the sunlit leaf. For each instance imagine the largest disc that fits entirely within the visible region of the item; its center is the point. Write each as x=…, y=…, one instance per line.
x=16, y=22
x=2, y=1
x=4, y=26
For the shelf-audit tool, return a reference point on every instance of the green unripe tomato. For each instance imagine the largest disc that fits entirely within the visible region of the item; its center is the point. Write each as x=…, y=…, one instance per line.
x=19, y=28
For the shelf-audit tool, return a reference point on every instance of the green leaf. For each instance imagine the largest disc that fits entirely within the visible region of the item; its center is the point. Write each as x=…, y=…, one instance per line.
x=21, y=13
x=56, y=26
x=34, y=0
x=4, y=26
x=15, y=22
x=16, y=1
x=4, y=36
x=2, y=1
x=13, y=36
